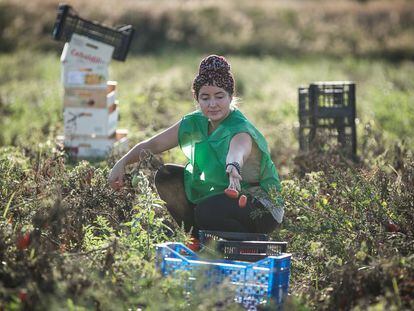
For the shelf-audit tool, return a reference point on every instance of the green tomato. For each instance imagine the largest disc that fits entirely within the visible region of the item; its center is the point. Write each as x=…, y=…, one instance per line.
x=134, y=181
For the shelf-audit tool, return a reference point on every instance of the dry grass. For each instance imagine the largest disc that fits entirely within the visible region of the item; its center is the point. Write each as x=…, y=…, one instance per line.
x=373, y=28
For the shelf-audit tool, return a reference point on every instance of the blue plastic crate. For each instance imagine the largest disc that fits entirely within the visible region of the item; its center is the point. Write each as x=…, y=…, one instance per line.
x=253, y=283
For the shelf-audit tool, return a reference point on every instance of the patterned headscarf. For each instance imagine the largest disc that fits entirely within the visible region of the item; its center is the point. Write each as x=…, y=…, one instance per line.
x=214, y=70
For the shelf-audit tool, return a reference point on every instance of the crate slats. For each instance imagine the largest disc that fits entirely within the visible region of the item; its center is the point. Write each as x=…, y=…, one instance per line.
x=327, y=112
x=252, y=283
x=68, y=22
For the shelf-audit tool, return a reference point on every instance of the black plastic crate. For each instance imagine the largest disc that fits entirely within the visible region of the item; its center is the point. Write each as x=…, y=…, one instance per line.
x=206, y=236
x=327, y=115
x=333, y=101
x=249, y=250
x=68, y=22
x=239, y=246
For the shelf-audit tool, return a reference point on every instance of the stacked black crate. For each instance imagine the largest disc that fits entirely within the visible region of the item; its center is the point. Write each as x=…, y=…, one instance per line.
x=327, y=116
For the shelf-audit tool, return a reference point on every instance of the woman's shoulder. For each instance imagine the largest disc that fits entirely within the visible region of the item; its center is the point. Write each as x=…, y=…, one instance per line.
x=239, y=121
x=192, y=123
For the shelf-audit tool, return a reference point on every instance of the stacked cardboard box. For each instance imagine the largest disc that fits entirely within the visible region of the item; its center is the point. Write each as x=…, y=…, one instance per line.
x=90, y=107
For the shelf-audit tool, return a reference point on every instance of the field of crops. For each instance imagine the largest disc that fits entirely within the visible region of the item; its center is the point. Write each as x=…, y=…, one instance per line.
x=67, y=241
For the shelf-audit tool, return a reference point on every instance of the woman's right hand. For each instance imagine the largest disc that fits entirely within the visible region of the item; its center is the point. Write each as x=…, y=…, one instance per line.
x=161, y=142
x=116, y=175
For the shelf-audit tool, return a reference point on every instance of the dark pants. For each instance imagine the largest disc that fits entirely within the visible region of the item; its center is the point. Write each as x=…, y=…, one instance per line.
x=218, y=212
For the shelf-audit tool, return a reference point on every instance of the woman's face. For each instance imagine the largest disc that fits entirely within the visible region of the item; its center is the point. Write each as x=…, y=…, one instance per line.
x=214, y=102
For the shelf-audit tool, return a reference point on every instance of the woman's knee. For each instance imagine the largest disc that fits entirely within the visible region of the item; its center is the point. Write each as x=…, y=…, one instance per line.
x=168, y=175
x=170, y=187
x=164, y=174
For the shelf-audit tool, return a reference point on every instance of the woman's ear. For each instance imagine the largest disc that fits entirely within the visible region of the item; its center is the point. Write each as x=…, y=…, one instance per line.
x=195, y=96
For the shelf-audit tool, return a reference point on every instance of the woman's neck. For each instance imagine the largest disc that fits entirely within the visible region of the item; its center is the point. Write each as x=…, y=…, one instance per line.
x=215, y=124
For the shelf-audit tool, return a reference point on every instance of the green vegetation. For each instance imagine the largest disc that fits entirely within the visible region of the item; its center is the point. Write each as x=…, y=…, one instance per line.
x=67, y=241
x=70, y=242
x=91, y=247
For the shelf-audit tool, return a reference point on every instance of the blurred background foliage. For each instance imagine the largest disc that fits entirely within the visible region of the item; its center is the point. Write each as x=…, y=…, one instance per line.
x=375, y=28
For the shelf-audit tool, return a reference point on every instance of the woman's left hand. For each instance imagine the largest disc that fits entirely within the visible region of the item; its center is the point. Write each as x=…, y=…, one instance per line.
x=234, y=178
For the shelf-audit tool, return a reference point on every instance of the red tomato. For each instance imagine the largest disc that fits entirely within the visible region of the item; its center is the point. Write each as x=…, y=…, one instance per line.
x=62, y=248
x=22, y=295
x=242, y=201
x=194, y=244
x=231, y=193
x=391, y=227
x=23, y=241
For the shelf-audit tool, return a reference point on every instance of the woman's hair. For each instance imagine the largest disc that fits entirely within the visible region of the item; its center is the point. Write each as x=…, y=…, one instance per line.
x=214, y=70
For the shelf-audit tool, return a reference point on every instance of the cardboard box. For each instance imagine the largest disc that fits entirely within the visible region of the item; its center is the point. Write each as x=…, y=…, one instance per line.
x=94, y=147
x=111, y=86
x=85, y=62
x=75, y=76
x=89, y=97
x=90, y=121
x=86, y=52
x=121, y=133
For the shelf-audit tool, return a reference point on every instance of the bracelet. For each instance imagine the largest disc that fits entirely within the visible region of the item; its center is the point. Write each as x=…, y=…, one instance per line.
x=236, y=165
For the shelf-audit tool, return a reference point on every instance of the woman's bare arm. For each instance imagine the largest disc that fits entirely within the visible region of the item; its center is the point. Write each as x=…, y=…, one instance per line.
x=163, y=141
x=239, y=150
x=160, y=142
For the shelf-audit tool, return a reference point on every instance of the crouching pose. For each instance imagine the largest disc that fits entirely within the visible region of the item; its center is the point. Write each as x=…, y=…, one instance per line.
x=228, y=180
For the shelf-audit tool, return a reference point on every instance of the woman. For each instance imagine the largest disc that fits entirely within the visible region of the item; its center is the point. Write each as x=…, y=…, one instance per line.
x=225, y=151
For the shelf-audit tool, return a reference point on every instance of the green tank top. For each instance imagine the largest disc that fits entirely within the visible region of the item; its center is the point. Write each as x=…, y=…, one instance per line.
x=205, y=174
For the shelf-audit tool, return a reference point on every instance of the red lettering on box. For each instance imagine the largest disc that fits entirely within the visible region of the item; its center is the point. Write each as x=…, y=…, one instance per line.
x=89, y=57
